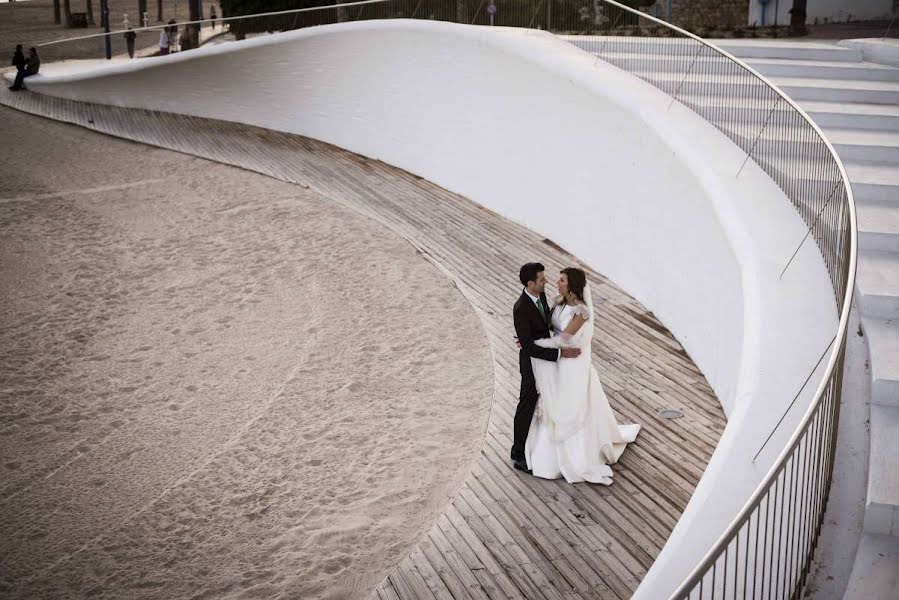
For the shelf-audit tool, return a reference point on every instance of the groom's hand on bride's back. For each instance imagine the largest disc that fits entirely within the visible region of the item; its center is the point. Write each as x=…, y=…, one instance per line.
x=569, y=352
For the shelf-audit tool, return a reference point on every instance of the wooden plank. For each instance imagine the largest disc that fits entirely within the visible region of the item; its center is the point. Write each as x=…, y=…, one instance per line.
x=458, y=544
x=387, y=592
x=413, y=577
x=574, y=579
x=494, y=582
x=436, y=584
x=401, y=586
x=500, y=573
x=377, y=594
x=451, y=576
x=463, y=571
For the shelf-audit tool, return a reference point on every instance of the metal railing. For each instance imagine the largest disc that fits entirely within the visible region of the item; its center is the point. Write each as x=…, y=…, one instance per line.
x=767, y=549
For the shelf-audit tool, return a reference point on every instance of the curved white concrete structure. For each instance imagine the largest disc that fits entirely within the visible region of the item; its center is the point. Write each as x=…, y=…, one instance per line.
x=577, y=150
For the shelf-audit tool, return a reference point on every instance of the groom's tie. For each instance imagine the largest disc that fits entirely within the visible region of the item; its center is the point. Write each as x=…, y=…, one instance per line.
x=540, y=308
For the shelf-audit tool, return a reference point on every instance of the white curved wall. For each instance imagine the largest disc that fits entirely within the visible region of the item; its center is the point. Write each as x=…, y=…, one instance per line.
x=578, y=151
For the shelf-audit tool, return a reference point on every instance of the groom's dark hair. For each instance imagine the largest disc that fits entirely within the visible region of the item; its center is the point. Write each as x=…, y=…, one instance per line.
x=529, y=273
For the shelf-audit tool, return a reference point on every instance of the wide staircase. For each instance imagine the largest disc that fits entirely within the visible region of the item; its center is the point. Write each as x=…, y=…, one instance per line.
x=856, y=103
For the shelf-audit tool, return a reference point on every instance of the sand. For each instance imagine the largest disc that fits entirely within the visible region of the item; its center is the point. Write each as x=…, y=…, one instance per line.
x=214, y=384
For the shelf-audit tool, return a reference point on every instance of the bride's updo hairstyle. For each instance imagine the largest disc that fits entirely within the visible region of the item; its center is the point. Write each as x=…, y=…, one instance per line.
x=577, y=281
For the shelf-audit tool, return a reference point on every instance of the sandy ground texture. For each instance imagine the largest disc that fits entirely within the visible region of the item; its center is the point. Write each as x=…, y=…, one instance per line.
x=214, y=384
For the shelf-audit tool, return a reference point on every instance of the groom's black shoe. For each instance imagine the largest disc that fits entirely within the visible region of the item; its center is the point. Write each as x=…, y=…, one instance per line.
x=521, y=465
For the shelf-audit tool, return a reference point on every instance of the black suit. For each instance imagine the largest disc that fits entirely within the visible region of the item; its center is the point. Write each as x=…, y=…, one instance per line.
x=529, y=326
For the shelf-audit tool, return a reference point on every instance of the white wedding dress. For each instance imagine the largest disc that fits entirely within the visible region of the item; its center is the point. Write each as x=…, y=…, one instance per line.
x=574, y=433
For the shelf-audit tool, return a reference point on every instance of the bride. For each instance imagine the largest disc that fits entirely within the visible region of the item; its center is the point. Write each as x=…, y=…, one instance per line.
x=573, y=433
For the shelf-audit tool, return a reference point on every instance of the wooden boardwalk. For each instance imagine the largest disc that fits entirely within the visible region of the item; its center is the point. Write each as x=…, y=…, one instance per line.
x=505, y=534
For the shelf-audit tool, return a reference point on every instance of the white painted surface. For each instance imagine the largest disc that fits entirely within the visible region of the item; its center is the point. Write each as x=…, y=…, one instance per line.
x=835, y=11
x=878, y=285
x=882, y=501
x=883, y=342
x=876, y=50
x=876, y=570
x=578, y=151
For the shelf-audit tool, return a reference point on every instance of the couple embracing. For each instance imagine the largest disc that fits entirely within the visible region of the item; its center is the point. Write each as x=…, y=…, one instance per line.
x=564, y=426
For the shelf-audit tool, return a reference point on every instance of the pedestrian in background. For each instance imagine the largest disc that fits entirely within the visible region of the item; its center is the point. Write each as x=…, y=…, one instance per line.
x=129, y=40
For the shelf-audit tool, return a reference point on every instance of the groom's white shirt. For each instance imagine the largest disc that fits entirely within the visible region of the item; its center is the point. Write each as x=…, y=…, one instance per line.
x=536, y=301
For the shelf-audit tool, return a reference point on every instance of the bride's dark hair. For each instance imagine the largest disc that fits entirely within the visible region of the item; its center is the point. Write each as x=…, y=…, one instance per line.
x=577, y=281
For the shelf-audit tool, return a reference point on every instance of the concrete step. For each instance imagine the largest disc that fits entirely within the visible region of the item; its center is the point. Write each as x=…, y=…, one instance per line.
x=839, y=90
x=798, y=88
x=846, y=112
x=851, y=115
x=824, y=69
x=877, y=281
x=861, y=145
x=673, y=46
x=878, y=227
x=882, y=501
x=834, y=115
x=875, y=573
x=672, y=65
x=710, y=62
x=873, y=183
x=747, y=49
x=744, y=49
x=884, y=51
x=882, y=337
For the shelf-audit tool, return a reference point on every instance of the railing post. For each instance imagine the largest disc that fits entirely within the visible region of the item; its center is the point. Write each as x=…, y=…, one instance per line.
x=684, y=79
x=889, y=27
x=759, y=135
x=104, y=17
x=534, y=16
x=810, y=229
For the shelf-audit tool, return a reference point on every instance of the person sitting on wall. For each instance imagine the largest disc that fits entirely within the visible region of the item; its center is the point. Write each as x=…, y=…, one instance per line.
x=32, y=66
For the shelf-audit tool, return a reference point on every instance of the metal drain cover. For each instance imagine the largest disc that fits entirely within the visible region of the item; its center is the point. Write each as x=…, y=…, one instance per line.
x=670, y=413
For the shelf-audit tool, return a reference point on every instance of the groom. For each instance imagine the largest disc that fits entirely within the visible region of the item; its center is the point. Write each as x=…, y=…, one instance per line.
x=532, y=322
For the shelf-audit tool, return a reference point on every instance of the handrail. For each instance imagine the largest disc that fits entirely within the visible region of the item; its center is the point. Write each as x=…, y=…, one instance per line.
x=724, y=541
